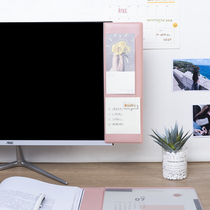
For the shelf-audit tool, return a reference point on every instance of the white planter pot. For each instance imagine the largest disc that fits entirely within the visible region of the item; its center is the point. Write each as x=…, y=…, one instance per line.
x=175, y=164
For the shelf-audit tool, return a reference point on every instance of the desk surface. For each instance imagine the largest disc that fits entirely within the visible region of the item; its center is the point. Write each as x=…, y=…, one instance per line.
x=120, y=175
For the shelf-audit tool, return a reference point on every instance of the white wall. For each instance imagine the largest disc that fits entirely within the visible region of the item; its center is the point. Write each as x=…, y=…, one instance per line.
x=162, y=107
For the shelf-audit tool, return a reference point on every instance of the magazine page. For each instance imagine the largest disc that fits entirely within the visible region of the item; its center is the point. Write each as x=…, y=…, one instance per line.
x=22, y=193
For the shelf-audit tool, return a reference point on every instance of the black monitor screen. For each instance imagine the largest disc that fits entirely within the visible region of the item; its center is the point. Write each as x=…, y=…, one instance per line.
x=51, y=81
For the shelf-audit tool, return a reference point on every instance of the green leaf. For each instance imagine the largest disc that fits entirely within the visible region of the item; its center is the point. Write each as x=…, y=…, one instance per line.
x=170, y=140
x=159, y=136
x=185, y=136
x=182, y=143
x=180, y=134
x=159, y=140
x=167, y=132
x=162, y=143
x=165, y=146
x=174, y=133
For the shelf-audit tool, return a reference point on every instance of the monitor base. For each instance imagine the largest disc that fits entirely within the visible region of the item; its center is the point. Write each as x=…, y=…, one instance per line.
x=23, y=163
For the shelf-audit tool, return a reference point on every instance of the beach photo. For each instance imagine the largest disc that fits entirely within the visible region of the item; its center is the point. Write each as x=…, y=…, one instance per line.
x=201, y=120
x=191, y=74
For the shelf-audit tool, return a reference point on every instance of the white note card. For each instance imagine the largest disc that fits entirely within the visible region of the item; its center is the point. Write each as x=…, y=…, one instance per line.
x=120, y=63
x=123, y=115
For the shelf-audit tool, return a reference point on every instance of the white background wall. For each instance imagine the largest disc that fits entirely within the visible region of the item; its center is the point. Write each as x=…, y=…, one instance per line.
x=162, y=107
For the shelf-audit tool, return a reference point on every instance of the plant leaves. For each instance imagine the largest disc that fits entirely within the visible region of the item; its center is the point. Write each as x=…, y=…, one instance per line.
x=159, y=140
x=165, y=146
x=182, y=143
x=173, y=140
x=159, y=136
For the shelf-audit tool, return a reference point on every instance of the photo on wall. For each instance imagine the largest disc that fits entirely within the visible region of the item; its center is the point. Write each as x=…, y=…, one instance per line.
x=191, y=74
x=201, y=120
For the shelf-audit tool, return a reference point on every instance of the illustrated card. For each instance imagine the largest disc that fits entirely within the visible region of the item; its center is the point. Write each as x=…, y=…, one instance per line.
x=120, y=63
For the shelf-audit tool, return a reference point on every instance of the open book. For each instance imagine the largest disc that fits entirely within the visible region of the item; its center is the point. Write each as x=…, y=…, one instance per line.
x=21, y=193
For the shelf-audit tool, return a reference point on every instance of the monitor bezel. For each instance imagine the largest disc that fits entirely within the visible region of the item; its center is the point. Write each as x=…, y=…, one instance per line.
x=54, y=143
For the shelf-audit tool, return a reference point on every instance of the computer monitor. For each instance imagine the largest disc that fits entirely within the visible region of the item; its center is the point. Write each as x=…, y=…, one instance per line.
x=52, y=83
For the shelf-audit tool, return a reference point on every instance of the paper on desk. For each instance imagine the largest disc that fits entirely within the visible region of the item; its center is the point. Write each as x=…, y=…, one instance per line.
x=21, y=193
x=151, y=199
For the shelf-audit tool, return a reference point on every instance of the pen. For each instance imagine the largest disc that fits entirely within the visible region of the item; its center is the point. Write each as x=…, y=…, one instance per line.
x=39, y=201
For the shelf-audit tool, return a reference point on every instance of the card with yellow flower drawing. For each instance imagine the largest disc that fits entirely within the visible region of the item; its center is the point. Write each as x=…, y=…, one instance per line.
x=120, y=63
x=120, y=52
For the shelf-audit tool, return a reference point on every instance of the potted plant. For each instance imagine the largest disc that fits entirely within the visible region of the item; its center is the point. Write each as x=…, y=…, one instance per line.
x=174, y=152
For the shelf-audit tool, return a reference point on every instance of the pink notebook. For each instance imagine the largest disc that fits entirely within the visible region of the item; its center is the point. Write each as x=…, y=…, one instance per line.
x=123, y=82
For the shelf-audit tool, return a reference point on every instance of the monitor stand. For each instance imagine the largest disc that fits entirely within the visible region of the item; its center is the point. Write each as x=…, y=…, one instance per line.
x=22, y=162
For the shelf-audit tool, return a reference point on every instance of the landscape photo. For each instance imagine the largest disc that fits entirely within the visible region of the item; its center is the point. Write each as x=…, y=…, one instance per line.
x=191, y=74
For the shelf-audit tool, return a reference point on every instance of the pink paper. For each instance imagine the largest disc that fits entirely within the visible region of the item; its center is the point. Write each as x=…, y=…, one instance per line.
x=92, y=199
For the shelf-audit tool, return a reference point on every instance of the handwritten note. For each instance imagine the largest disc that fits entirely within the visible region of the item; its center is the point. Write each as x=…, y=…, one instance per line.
x=160, y=19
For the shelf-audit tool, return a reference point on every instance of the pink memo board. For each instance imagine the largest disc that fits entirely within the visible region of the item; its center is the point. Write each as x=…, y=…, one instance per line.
x=129, y=35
